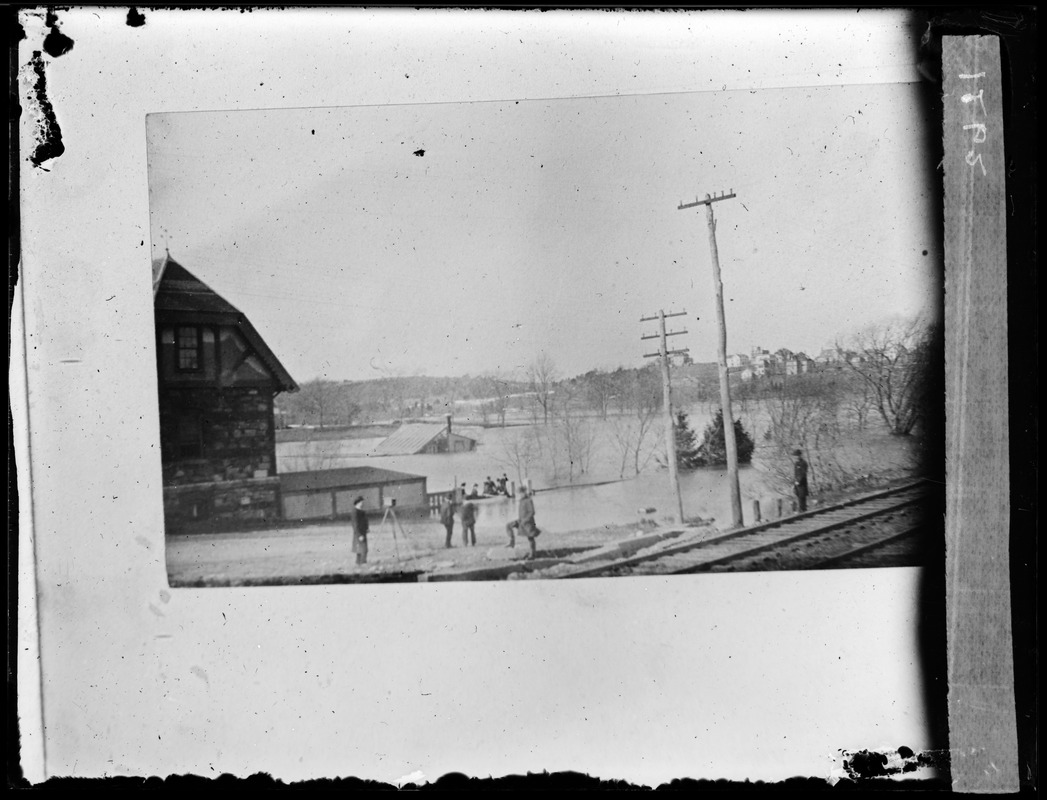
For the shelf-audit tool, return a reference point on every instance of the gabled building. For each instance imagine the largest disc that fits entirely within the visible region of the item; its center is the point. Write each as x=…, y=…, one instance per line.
x=418, y=438
x=798, y=364
x=216, y=379
x=762, y=363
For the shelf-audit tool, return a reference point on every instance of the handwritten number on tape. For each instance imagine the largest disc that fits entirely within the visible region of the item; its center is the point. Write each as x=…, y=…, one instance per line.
x=973, y=157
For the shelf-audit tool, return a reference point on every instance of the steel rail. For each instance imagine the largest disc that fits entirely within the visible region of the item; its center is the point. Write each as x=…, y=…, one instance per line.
x=794, y=538
x=868, y=547
x=689, y=547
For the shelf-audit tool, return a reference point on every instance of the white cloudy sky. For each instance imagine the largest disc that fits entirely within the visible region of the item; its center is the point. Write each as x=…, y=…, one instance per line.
x=551, y=224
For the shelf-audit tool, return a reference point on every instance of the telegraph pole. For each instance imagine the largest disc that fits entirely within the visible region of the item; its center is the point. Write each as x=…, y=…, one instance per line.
x=725, y=389
x=670, y=428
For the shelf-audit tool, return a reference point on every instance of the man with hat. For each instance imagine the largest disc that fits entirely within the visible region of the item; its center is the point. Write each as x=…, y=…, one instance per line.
x=527, y=525
x=800, y=480
x=447, y=517
x=360, y=528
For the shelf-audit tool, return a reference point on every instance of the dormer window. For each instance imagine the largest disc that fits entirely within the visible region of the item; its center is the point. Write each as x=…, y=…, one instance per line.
x=190, y=346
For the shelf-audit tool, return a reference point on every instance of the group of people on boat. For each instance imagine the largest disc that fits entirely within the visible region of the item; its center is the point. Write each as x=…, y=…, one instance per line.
x=491, y=488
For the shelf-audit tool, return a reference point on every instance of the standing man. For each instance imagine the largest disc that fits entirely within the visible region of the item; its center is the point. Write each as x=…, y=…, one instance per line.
x=469, y=523
x=527, y=524
x=800, y=480
x=447, y=517
x=360, y=529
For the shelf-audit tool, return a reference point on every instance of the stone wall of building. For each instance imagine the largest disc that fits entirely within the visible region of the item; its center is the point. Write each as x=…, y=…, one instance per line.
x=236, y=430
x=224, y=505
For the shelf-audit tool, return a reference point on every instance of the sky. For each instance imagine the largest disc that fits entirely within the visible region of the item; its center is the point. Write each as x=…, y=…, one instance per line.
x=452, y=238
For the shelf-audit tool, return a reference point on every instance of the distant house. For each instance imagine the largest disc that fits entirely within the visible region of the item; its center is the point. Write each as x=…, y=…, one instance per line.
x=216, y=382
x=329, y=493
x=828, y=356
x=738, y=360
x=418, y=438
x=762, y=364
x=798, y=364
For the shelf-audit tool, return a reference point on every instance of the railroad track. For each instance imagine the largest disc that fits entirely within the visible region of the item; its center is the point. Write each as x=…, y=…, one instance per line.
x=852, y=533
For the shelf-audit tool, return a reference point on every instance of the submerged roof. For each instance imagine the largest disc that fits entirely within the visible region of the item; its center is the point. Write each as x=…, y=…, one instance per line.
x=176, y=290
x=410, y=439
x=345, y=478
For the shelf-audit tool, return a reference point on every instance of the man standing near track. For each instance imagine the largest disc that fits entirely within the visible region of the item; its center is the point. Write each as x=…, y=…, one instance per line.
x=468, y=523
x=800, y=480
x=360, y=529
x=447, y=517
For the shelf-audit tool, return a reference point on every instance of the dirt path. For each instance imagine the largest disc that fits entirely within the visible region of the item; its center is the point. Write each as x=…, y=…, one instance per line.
x=322, y=553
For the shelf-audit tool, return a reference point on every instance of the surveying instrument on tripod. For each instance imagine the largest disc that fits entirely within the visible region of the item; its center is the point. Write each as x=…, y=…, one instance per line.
x=390, y=519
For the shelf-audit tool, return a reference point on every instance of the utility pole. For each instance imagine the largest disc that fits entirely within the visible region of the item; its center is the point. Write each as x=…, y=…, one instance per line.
x=670, y=428
x=725, y=388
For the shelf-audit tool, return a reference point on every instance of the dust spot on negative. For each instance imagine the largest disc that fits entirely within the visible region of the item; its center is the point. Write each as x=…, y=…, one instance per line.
x=56, y=43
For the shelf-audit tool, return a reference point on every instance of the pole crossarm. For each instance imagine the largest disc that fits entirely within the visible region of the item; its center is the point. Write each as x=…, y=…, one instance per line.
x=667, y=333
x=709, y=199
x=670, y=314
x=683, y=352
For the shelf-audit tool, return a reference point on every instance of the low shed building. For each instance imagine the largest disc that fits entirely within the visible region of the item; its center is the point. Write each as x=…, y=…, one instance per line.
x=329, y=493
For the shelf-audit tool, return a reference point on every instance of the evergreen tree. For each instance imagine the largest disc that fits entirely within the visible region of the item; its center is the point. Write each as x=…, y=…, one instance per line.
x=713, y=450
x=687, y=456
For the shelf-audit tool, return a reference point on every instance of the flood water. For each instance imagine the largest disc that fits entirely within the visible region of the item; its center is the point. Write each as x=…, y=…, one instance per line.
x=599, y=497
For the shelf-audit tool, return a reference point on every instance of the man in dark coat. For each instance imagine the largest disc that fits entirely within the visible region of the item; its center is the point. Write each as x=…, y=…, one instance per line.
x=360, y=529
x=526, y=521
x=447, y=518
x=469, y=523
x=800, y=480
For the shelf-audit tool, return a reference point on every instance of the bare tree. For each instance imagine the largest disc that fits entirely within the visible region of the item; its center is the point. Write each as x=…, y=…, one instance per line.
x=541, y=376
x=858, y=399
x=599, y=390
x=496, y=393
x=318, y=400
x=893, y=360
x=574, y=435
x=631, y=434
x=803, y=413
x=518, y=453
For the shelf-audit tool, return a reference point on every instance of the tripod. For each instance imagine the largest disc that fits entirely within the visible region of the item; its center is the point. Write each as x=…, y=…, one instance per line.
x=393, y=523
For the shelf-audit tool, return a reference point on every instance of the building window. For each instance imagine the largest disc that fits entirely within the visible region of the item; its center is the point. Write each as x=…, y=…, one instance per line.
x=189, y=347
